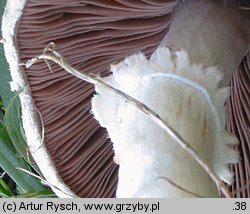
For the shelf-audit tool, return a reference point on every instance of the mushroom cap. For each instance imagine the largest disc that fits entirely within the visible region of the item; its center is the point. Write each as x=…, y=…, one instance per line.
x=92, y=34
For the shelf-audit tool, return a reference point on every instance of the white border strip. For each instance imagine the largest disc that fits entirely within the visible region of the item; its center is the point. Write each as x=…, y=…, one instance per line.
x=31, y=124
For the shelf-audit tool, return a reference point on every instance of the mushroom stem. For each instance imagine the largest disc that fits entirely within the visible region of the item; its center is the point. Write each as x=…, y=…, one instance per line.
x=212, y=33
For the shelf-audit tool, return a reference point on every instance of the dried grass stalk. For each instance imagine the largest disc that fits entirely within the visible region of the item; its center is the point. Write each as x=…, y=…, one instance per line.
x=51, y=54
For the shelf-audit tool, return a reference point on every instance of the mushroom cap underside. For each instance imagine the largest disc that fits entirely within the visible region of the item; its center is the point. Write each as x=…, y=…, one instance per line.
x=92, y=35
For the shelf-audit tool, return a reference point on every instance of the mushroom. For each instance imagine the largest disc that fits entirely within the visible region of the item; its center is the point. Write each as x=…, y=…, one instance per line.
x=75, y=154
x=175, y=40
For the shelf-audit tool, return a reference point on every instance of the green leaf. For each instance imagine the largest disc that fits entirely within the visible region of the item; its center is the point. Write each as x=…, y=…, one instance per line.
x=5, y=191
x=1, y=113
x=10, y=162
x=41, y=194
x=13, y=125
x=5, y=78
x=1, y=118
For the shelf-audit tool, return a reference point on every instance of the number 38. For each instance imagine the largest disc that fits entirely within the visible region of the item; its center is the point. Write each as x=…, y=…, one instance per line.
x=240, y=206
